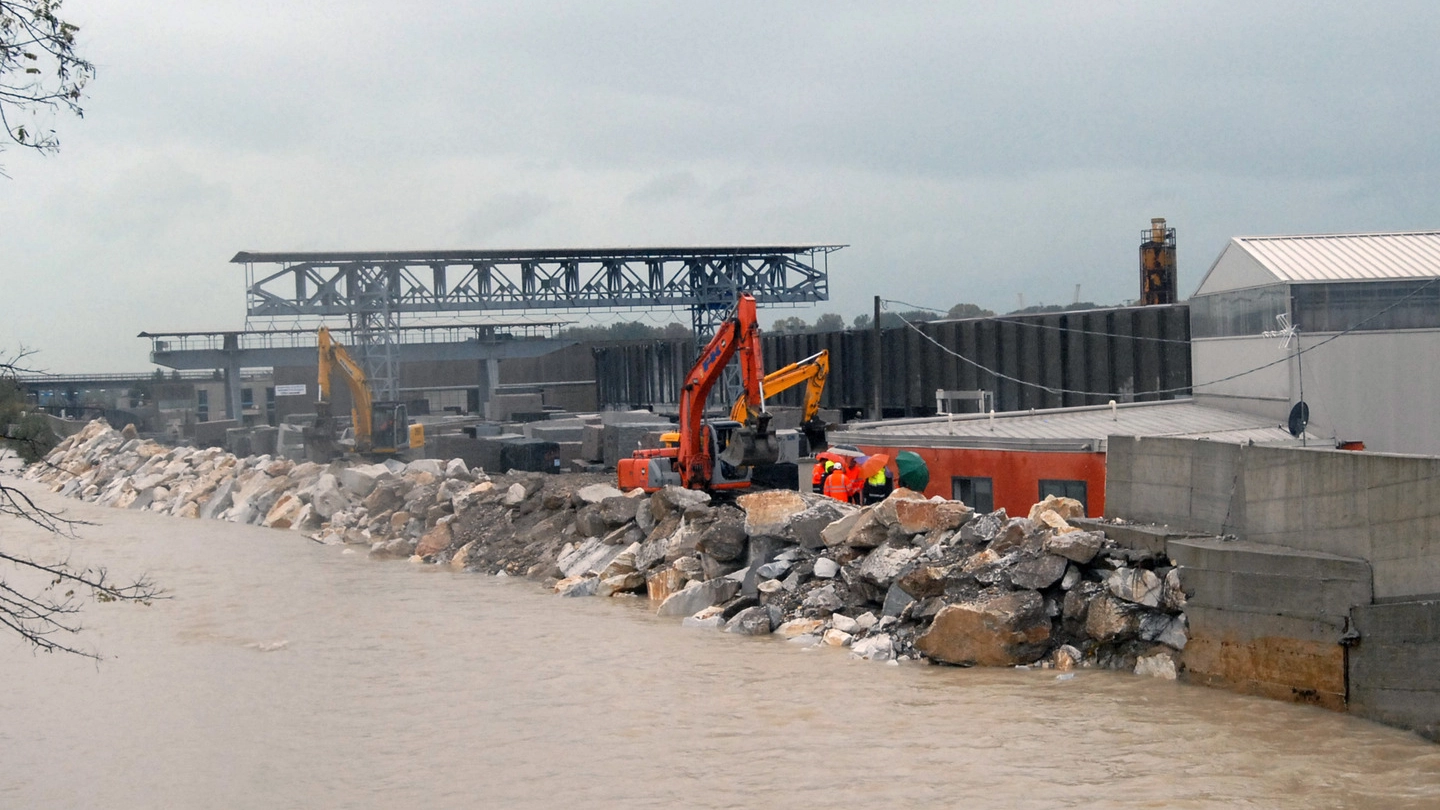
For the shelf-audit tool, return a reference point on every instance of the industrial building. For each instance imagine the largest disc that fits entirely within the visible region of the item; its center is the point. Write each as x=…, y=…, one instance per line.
x=1349, y=323
x=1012, y=460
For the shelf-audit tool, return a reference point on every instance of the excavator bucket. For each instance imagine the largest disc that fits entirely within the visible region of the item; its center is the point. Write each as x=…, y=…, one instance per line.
x=751, y=445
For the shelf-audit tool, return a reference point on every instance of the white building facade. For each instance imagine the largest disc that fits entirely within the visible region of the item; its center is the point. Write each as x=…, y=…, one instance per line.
x=1364, y=352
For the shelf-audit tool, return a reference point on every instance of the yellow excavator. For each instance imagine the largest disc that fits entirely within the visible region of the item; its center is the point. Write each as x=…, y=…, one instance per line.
x=812, y=371
x=381, y=428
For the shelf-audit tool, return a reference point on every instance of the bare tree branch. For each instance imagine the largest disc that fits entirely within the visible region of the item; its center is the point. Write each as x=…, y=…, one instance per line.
x=49, y=617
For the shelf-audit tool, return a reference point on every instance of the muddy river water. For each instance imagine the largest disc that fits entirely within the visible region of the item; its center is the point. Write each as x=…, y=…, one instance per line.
x=282, y=673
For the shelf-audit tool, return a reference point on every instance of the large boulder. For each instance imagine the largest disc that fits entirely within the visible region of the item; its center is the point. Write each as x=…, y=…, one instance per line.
x=918, y=517
x=1137, y=585
x=595, y=493
x=1004, y=630
x=697, y=596
x=1066, y=508
x=673, y=499
x=753, y=621
x=838, y=531
x=868, y=531
x=360, y=480
x=1078, y=547
x=770, y=511
x=881, y=566
x=618, y=510
x=1038, y=572
x=807, y=527
x=589, y=557
x=1109, y=619
x=725, y=539
x=327, y=496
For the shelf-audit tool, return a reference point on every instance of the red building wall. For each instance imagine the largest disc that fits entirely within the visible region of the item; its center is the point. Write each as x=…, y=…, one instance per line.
x=1015, y=474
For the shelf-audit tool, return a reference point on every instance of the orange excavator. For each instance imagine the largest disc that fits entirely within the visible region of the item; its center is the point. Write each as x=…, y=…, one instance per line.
x=713, y=454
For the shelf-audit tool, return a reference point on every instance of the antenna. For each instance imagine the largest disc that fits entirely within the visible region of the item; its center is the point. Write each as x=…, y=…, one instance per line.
x=1300, y=414
x=1077, y=295
x=1286, y=330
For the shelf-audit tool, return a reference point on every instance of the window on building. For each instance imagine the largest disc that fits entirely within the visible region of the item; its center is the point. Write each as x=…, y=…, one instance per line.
x=202, y=405
x=270, y=405
x=1367, y=305
x=1237, y=312
x=247, y=399
x=976, y=493
x=1065, y=489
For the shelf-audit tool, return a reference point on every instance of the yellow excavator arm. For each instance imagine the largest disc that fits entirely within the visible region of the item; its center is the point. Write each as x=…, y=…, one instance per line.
x=333, y=354
x=812, y=370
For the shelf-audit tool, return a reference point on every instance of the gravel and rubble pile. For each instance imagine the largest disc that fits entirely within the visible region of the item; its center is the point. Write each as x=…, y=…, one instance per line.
x=907, y=579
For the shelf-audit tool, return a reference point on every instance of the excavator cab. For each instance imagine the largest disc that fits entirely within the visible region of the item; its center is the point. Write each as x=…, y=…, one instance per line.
x=390, y=427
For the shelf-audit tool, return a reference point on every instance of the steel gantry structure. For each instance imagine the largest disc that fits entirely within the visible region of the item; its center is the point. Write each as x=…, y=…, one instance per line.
x=373, y=289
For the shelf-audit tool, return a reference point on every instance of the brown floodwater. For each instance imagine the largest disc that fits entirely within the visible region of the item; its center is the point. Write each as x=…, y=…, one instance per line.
x=282, y=673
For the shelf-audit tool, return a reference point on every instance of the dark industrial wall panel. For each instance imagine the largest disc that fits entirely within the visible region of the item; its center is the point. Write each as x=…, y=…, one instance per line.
x=1084, y=358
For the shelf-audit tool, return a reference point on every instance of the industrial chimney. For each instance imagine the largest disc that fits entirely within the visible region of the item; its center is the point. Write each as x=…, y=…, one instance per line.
x=1157, y=264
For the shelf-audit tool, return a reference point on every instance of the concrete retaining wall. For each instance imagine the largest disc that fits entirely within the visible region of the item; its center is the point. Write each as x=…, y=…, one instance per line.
x=1384, y=509
x=1327, y=596
x=1395, y=667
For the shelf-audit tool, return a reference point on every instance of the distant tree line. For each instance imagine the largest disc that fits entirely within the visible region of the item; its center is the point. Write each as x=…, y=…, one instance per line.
x=794, y=324
x=626, y=330
x=830, y=322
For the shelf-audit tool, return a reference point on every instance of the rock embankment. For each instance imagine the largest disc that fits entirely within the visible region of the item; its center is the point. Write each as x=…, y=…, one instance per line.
x=910, y=578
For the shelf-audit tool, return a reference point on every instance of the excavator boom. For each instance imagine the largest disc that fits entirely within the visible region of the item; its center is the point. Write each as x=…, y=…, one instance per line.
x=393, y=433
x=812, y=371
x=698, y=461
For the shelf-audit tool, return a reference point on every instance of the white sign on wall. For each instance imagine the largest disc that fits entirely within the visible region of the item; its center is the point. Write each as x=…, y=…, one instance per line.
x=290, y=390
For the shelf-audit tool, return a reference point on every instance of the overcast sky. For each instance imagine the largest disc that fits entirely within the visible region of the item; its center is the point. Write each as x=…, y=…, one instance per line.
x=965, y=151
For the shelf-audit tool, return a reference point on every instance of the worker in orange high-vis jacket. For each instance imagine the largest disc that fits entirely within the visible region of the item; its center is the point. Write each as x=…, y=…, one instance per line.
x=837, y=484
x=817, y=476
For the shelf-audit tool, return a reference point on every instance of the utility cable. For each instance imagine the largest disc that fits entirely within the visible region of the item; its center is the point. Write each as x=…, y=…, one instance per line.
x=1193, y=386
x=1006, y=319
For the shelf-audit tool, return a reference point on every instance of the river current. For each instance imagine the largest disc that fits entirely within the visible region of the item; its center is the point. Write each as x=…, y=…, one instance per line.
x=282, y=673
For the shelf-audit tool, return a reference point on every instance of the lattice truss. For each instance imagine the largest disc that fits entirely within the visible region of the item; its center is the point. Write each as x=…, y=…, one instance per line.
x=373, y=289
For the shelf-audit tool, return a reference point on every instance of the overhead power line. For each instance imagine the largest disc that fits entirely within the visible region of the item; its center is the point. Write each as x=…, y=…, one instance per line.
x=1193, y=386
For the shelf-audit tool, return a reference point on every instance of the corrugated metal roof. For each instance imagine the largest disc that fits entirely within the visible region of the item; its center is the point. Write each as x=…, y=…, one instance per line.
x=1070, y=429
x=1347, y=257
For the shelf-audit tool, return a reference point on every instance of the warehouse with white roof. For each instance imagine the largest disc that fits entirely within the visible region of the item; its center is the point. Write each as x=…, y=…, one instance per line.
x=1359, y=340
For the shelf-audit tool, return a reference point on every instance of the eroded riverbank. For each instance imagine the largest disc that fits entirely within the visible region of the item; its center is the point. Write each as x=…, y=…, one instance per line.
x=285, y=673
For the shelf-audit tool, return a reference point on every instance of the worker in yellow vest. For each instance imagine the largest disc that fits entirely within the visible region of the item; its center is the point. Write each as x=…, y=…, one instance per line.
x=878, y=486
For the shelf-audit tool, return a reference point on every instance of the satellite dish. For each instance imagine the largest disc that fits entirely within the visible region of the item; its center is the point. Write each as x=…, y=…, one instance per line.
x=1299, y=418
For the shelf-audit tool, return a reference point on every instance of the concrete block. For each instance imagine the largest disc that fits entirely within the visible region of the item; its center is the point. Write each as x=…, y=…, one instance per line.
x=568, y=452
x=212, y=434
x=531, y=455
x=1279, y=657
x=556, y=432
x=1267, y=579
x=502, y=406
x=490, y=449
x=290, y=441
x=1395, y=667
x=262, y=440
x=621, y=417
x=1149, y=538
x=456, y=445
x=592, y=443
x=621, y=439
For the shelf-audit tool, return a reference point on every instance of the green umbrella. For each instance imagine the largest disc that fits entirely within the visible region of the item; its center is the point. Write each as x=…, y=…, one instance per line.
x=913, y=472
